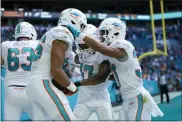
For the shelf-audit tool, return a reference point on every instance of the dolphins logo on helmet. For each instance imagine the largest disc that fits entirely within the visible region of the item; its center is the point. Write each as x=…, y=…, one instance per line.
x=117, y=25
x=74, y=14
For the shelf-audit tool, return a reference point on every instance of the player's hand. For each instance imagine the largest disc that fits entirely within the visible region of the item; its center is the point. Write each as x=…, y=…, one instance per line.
x=63, y=89
x=70, y=93
x=74, y=30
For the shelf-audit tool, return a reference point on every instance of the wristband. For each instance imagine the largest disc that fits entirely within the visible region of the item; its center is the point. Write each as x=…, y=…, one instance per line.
x=77, y=83
x=82, y=36
x=72, y=87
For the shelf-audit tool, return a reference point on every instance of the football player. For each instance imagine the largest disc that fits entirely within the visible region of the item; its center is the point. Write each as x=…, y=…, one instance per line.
x=52, y=53
x=138, y=103
x=93, y=98
x=17, y=58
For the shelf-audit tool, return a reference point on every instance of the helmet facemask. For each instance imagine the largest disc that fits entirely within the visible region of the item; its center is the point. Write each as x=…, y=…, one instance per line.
x=106, y=37
x=84, y=50
x=82, y=27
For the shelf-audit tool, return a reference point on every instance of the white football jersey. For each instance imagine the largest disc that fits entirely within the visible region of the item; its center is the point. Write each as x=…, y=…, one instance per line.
x=18, y=56
x=127, y=70
x=41, y=65
x=89, y=67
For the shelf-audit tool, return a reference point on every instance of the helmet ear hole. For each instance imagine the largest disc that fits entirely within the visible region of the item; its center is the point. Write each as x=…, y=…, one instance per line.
x=116, y=34
x=107, y=32
x=73, y=22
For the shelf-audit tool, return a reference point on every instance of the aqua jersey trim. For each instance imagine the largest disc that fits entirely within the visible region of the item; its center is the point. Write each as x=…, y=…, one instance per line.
x=56, y=100
x=140, y=107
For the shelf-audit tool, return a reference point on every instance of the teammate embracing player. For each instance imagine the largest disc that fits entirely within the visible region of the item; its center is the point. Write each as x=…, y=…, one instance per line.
x=138, y=103
x=52, y=53
x=17, y=57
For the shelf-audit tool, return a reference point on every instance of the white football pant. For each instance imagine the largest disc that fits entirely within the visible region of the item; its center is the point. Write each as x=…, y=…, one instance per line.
x=136, y=109
x=16, y=102
x=47, y=100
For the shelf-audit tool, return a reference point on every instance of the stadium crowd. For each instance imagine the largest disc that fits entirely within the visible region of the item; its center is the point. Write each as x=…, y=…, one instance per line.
x=133, y=32
x=151, y=66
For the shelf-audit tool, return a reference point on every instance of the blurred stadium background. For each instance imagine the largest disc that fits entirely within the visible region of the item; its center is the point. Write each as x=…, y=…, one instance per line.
x=44, y=14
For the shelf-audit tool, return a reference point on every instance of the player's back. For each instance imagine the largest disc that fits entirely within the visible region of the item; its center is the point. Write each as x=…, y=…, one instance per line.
x=41, y=65
x=18, y=56
x=127, y=70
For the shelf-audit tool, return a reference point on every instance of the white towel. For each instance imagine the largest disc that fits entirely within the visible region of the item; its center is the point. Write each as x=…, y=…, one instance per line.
x=156, y=110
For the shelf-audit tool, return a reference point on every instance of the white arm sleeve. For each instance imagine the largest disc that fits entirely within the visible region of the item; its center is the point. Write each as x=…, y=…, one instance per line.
x=126, y=45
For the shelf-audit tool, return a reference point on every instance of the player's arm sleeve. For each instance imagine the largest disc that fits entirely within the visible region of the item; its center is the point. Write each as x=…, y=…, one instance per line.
x=125, y=47
x=62, y=35
x=100, y=77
